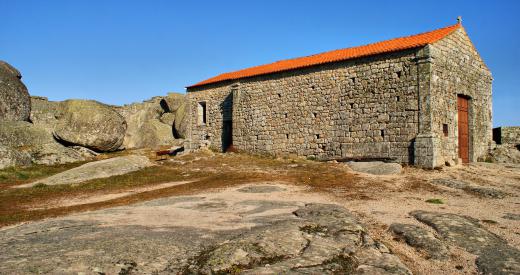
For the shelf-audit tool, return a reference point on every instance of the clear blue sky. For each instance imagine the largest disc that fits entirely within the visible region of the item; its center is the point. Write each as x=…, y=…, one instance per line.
x=124, y=51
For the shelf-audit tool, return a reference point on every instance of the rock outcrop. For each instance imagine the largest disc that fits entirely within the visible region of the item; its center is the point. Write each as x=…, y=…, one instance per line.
x=168, y=119
x=481, y=191
x=181, y=121
x=90, y=124
x=60, y=132
x=421, y=239
x=44, y=113
x=495, y=255
x=375, y=167
x=322, y=239
x=23, y=143
x=95, y=170
x=152, y=123
x=15, y=103
x=504, y=153
x=314, y=239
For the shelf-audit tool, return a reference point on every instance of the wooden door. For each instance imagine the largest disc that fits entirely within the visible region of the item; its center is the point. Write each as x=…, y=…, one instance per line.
x=463, y=110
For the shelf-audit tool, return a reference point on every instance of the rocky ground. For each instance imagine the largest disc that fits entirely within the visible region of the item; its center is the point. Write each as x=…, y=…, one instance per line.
x=209, y=213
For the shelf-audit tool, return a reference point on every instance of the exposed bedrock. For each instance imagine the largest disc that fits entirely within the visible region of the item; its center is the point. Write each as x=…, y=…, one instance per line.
x=15, y=103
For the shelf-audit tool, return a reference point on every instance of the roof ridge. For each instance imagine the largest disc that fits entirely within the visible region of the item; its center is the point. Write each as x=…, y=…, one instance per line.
x=385, y=46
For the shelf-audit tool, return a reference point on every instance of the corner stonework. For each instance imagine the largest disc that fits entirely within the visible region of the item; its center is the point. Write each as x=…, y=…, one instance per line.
x=427, y=151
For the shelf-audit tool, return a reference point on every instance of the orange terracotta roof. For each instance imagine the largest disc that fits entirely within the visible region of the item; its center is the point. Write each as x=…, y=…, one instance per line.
x=392, y=45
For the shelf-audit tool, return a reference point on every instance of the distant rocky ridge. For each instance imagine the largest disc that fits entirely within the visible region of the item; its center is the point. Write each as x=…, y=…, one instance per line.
x=34, y=130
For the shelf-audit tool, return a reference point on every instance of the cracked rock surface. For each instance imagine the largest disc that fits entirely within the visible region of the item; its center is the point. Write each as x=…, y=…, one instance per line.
x=295, y=238
x=495, y=256
x=486, y=192
x=421, y=239
x=321, y=238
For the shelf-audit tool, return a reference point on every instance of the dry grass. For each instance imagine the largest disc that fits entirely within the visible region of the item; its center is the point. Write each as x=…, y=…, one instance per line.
x=205, y=170
x=20, y=175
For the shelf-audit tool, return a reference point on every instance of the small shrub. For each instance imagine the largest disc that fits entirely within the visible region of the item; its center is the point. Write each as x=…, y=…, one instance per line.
x=435, y=201
x=22, y=176
x=311, y=158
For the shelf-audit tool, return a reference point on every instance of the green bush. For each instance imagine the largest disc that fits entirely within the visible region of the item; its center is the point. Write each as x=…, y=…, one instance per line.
x=435, y=201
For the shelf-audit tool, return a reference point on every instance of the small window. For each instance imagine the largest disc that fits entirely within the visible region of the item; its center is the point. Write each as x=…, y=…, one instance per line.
x=317, y=136
x=383, y=133
x=279, y=95
x=315, y=115
x=202, y=113
x=445, y=129
x=313, y=87
x=399, y=74
x=397, y=98
x=287, y=136
x=353, y=79
x=285, y=115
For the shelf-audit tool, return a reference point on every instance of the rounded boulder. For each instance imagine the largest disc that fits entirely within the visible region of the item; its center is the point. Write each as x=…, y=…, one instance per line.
x=90, y=124
x=15, y=102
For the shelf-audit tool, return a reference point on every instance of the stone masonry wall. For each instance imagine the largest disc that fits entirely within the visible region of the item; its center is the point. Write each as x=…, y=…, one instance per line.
x=458, y=69
x=385, y=106
x=507, y=135
x=360, y=108
x=218, y=101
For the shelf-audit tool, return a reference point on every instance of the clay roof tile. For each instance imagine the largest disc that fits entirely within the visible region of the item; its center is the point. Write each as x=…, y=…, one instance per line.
x=392, y=45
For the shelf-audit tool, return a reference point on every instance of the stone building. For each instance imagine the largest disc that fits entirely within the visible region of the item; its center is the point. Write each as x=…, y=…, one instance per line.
x=423, y=99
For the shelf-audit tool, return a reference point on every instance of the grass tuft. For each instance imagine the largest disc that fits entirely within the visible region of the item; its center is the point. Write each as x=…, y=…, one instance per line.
x=40, y=185
x=435, y=201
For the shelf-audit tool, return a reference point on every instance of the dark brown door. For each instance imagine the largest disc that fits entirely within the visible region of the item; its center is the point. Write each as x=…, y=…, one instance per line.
x=463, y=108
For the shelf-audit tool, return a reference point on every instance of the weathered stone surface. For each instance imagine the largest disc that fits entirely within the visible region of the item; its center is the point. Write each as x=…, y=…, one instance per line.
x=512, y=216
x=97, y=169
x=168, y=119
x=495, y=255
x=151, y=123
x=504, y=154
x=316, y=239
x=172, y=102
x=21, y=134
x=44, y=113
x=137, y=115
x=471, y=188
x=11, y=157
x=375, y=167
x=324, y=239
x=421, y=239
x=155, y=133
x=261, y=189
x=23, y=141
x=90, y=124
x=463, y=231
x=181, y=121
x=15, y=103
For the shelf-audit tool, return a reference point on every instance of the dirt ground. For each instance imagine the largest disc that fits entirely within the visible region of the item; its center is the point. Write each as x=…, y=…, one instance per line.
x=207, y=187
